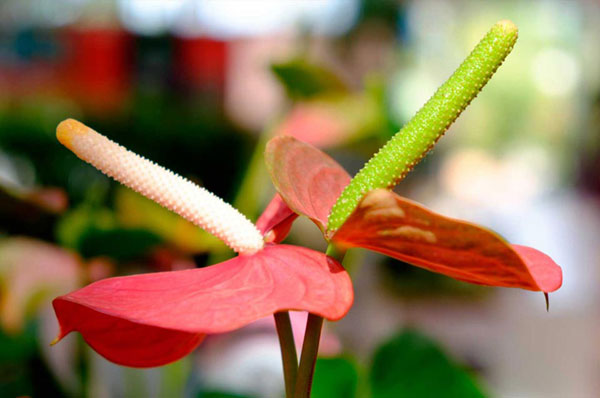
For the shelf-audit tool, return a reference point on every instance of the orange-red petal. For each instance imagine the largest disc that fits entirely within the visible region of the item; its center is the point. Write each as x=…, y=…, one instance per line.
x=389, y=224
x=277, y=219
x=307, y=179
x=153, y=319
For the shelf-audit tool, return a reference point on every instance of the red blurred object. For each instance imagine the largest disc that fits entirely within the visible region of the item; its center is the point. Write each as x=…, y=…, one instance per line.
x=315, y=125
x=166, y=259
x=201, y=62
x=54, y=200
x=97, y=69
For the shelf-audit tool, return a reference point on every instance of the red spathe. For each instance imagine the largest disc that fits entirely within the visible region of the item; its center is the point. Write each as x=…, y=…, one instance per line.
x=310, y=182
x=153, y=319
x=387, y=223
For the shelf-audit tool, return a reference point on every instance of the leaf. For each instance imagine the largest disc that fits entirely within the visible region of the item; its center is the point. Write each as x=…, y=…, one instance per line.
x=302, y=79
x=75, y=223
x=135, y=211
x=277, y=219
x=153, y=319
x=397, y=227
x=335, y=378
x=117, y=243
x=412, y=365
x=307, y=179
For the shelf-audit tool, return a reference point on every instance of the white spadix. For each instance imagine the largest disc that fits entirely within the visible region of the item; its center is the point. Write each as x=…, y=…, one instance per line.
x=166, y=188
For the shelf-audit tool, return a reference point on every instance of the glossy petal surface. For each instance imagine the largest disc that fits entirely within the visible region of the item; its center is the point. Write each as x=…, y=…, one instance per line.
x=307, y=179
x=386, y=223
x=153, y=319
x=277, y=219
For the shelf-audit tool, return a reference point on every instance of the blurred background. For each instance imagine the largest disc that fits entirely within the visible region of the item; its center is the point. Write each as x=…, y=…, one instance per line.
x=200, y=85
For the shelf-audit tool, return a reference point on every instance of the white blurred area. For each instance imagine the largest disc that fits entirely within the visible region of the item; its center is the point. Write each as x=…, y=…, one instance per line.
x=233, y=18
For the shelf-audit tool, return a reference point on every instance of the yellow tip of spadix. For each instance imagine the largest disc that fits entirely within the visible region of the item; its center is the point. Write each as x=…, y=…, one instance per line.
x=507, y=26
x=68, y=129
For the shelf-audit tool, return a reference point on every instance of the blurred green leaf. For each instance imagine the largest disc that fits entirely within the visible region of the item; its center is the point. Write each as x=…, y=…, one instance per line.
x=135, y=211
x=20, y=346
x=174, y=377
x=74, y=224
x=335, y=378
x=23, y=372
x=117, y=243
x=412, y=365
x=92, y=231
x=303, y=80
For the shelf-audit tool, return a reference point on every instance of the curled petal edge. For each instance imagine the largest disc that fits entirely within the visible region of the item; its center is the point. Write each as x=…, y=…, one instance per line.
x=276, y=220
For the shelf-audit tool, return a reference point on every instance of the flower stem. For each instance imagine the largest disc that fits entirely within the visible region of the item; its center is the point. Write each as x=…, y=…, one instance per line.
x=312, y=337
x=310, y=349
x=288, y=351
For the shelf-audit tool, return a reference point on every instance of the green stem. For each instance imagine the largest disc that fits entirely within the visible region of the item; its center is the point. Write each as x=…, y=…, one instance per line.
x=288, y=351
x=312, y=337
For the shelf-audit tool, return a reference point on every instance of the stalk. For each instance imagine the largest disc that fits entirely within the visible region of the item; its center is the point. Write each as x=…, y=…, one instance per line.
x=288, y=351
x=310, y=346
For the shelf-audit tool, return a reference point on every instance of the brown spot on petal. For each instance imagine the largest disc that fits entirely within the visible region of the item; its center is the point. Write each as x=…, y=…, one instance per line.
x=412, y=233
x=381, y=206
x=382, y=214
x=378, y=198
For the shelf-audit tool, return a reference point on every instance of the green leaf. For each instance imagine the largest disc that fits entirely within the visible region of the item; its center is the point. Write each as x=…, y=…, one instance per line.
x=133, y=210
x=117, y=243
x=303, y=80
x=75, y=223
x=335, y=378
x=413, y=365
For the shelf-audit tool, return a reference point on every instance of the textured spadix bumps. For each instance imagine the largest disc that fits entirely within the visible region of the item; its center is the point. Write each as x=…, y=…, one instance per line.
x=168, y=189
x=419, y=135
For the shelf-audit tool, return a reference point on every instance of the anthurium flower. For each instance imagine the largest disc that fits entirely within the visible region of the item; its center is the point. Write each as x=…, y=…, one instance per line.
x=363, y=212
x=310, y=182
x=153, y=319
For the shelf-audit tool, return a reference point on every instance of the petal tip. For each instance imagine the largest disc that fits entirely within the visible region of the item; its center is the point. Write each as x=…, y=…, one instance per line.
x=61, y=334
